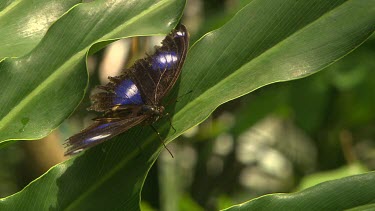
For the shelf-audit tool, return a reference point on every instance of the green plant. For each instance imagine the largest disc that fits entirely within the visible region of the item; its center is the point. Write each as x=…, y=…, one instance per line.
x=265, y=42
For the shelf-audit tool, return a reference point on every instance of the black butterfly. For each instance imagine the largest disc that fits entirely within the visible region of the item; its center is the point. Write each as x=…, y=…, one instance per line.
x=135, y=96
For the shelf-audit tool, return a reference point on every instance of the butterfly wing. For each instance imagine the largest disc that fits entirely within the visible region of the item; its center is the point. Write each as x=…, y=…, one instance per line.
x=156, y=74
x=145, y=83
x=101, y=130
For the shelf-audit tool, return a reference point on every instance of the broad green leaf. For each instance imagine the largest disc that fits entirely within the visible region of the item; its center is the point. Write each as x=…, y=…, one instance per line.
x=347, y=193
x=43, y=87
x=23, y=23
x=266, y=42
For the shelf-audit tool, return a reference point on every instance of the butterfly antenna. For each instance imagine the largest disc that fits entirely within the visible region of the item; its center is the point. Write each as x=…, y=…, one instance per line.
x=176, y=99
x=161, y=140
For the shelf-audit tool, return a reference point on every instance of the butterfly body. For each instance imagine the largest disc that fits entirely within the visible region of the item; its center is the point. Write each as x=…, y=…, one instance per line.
x=134, y=97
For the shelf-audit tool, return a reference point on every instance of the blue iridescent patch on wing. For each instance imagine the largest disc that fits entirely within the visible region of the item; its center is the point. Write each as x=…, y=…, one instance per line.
x=127, y=93
x=164, y=61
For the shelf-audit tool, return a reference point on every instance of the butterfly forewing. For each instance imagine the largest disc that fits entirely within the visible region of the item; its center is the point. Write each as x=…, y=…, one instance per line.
x=157, y=74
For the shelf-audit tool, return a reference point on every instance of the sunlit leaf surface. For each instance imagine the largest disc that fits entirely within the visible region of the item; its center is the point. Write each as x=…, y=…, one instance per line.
x=23, y=23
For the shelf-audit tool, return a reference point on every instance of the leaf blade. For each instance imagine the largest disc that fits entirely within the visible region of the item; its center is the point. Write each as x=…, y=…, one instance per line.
x=346, y=193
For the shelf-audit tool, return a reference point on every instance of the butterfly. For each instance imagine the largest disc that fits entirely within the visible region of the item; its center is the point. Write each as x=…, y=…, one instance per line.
x=134, y=97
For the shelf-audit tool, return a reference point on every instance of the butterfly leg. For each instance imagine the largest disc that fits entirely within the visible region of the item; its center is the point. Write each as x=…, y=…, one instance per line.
x=161, y=140
x=175, y=100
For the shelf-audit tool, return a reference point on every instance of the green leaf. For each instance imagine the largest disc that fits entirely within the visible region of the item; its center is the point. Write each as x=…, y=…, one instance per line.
x=346, y=193
x=43, y=87
x=266, y=42
x=368, y=207
x=23, y=23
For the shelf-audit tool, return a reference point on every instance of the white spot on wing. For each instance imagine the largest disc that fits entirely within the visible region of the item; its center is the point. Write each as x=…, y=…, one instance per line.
x=167, y=58
x=98, y=137
x=180, y=33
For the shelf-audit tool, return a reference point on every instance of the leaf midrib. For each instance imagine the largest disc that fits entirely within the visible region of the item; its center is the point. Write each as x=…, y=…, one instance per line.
x=9, y=7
